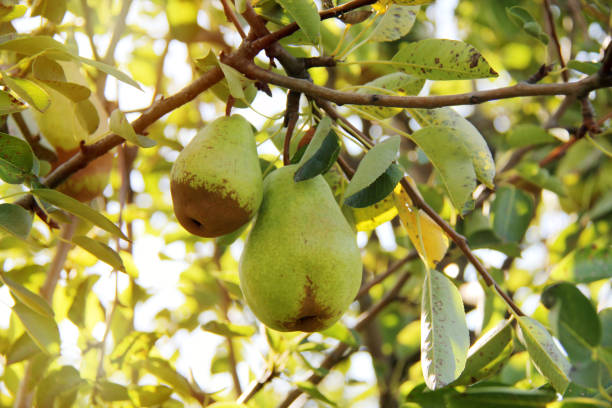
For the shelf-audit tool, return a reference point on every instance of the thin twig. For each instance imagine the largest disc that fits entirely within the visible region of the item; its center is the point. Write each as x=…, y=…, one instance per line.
x=553, y=34
x=365, y=288
x=89, y=28
x=231, y=16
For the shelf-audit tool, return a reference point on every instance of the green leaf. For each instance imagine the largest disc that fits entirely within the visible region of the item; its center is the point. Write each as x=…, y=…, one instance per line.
x=228, y=329
x=27, y=297
x=605, y=317
x=441, y=59
x=586, y=67
x=59, y=383
x=234, y=81
x=42, y=329
x=312, y=390
x=584, y=265
x=100, y=66
x=373, y=165
x=78, y=308
x=474, y=143
x=522, y=18
x=444, y=148
x=13, y=12
x=488, y=354
x=499, y=396
x=29, y=91
x=149, y=395
x=52, y=10
x=320, y=134
x=111, y=392
x=52, y=74
x=15, y=220
x=544, y=353
x=101, y=251
x=378, y=190
x=23, y=348
x=306, y=15
x=164, y=371
x=397, y=83
x=395, y=23
x=120, y=125
x=16, y=159
x=527, y=134
x=573, y=320
x=9, y=104
x=340, y=332
x=79, y=209
x=322, y=160
x=534, y=173
x=444, y=334
x=33, y=44
x=512, y=211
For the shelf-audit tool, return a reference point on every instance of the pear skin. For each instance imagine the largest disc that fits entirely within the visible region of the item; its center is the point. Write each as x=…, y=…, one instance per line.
x=62, y=129
x=301, y=267
x=216, y=181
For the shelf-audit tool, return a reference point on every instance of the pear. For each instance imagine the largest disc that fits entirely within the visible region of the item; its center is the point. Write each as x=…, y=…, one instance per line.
x=63, y=130
x=216, y=181
x=301, y=267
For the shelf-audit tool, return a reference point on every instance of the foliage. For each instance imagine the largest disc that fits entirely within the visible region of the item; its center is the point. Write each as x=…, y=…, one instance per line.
x=112, y=302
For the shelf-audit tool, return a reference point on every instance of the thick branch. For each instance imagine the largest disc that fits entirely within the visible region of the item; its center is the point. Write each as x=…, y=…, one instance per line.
x=522, y=89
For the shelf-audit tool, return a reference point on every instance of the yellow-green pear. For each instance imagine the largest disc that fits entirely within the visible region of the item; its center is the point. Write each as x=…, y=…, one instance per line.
x=216, y=181
x=61, y=127
x=301, y=267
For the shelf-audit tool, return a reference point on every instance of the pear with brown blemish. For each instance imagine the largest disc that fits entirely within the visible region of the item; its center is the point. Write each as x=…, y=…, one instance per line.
x=216, y=181
x=301, y=267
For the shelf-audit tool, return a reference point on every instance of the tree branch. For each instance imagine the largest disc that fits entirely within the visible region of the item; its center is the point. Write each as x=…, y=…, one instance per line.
x=553, y=34
x=253, y=71
x=97, y=149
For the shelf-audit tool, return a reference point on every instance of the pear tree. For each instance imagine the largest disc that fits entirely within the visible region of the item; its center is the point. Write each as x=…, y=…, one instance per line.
x=283, y=203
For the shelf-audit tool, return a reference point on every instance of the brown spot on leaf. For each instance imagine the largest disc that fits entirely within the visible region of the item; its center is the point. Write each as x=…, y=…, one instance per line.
x=437, y=60
x=206, y=213
x=474, y=59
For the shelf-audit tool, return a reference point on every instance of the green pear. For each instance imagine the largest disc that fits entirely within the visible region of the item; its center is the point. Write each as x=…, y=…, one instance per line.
x=216, y=181
x=300, y=268
x=61, y=127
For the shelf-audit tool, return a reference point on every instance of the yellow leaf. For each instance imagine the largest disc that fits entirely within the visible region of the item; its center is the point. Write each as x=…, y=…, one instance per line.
x=368, y=218
x=427, y=237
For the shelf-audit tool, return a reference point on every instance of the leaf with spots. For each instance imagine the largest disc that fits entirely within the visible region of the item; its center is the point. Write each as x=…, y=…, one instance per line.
x=444, y=334
x=546, y=356
x=29, y=91
x=441, y=59
x=9, y=104
x=427, y=237
x=474, y=143
x=16, y=159
x=396, y=22
x=306, y=15
x=368, y=218
x=445, y=149
x=397, y=83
